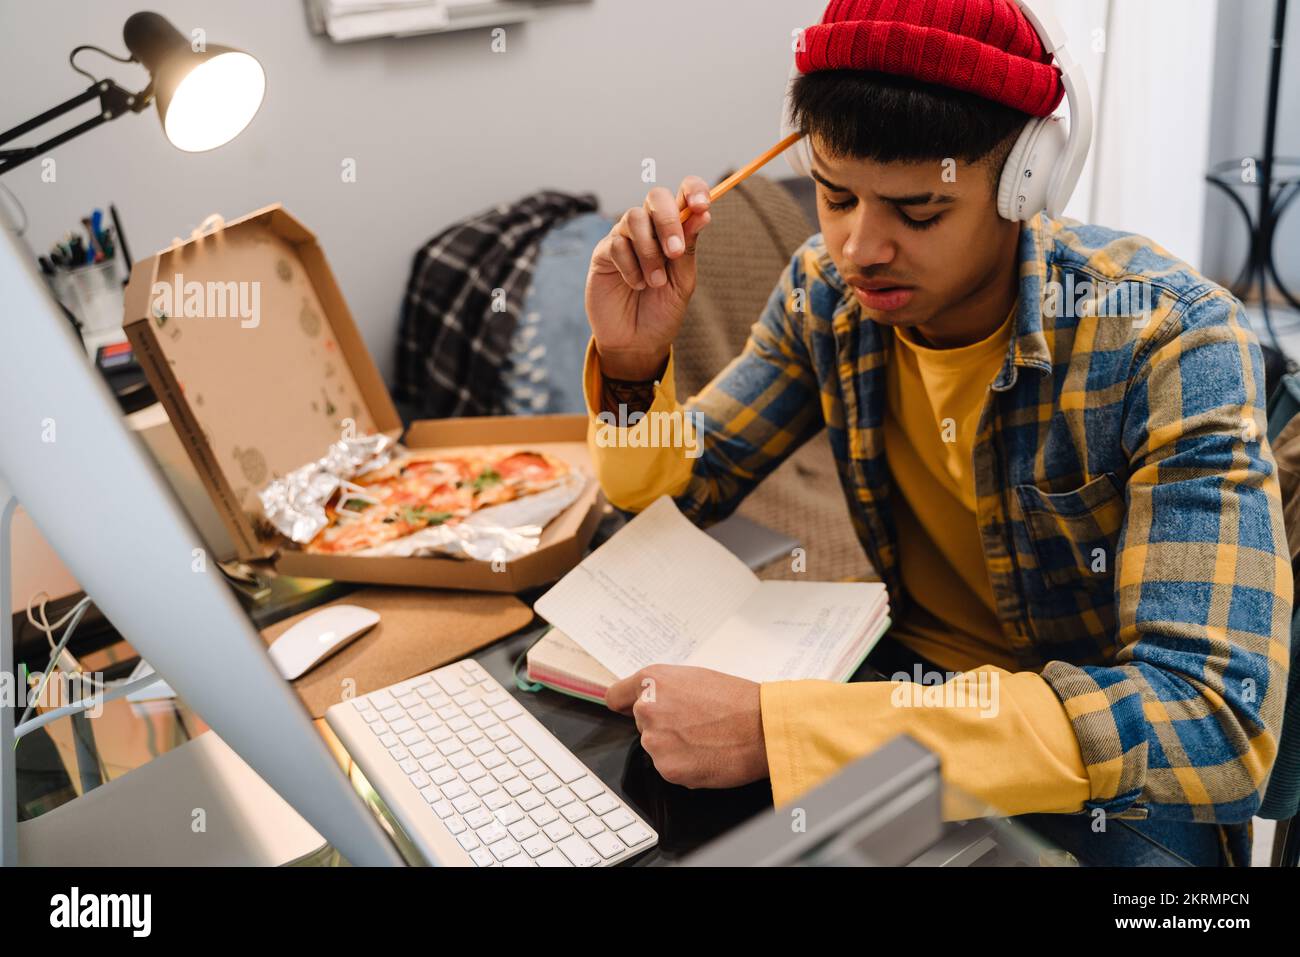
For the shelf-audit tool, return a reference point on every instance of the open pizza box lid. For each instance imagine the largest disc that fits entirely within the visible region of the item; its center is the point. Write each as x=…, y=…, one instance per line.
x=248, y=343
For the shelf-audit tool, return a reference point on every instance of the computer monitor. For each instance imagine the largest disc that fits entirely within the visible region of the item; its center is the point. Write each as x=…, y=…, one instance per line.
x=100, y=501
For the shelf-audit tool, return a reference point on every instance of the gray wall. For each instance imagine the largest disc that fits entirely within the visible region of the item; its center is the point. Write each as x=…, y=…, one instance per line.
x=440, y=127
x=1237, y=129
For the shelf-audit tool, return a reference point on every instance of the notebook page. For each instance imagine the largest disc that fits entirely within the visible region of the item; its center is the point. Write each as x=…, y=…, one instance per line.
x=789, y=630
x=650, y=594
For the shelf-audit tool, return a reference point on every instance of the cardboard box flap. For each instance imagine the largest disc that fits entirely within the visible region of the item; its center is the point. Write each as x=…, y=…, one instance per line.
x=250, y=344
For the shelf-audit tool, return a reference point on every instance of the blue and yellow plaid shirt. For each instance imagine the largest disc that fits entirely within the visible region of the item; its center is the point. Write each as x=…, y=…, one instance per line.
x=1127, y=499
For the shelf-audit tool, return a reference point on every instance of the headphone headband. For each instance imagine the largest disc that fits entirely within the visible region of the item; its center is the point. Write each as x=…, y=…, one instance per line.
x=1066, y=166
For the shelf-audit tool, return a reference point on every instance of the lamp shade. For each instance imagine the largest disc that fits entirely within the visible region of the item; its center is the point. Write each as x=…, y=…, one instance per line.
x=205, y=97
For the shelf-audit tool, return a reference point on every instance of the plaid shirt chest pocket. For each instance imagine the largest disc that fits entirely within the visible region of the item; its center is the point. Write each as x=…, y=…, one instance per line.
x=1073, y=534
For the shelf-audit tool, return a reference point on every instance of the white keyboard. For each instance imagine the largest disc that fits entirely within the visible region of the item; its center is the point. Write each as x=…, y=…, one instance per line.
x=474, y=779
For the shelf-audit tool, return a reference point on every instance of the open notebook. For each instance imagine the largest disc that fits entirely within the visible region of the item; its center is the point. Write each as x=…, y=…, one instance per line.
x=661, y=591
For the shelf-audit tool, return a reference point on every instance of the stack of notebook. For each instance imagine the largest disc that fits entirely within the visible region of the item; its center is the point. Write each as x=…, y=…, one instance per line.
x=661, y=591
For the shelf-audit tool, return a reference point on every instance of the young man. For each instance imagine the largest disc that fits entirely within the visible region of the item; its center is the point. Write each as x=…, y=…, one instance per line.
x=1064, y=494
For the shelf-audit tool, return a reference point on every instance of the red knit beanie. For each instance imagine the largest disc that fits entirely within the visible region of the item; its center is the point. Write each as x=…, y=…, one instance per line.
x=985, y=47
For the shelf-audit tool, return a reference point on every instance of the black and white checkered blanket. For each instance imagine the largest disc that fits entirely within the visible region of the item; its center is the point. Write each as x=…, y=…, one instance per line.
x=464, y=297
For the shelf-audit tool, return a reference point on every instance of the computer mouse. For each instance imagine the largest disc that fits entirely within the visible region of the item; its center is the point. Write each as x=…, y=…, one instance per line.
x=318, y=636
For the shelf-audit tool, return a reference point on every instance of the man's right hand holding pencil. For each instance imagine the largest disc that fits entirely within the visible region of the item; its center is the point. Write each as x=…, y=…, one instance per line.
x=642, y=276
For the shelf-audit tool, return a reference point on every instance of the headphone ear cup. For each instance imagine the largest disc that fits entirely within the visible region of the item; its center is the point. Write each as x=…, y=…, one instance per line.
x=1027, y=173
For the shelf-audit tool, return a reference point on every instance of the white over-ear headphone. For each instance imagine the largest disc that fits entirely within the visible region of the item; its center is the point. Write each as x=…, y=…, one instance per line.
x=1043, y=167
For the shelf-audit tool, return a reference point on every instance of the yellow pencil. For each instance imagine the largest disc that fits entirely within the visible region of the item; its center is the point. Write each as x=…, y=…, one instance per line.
x=746, y=171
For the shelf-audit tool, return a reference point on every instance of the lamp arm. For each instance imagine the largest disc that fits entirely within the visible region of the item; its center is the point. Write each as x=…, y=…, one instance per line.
x=113, y=102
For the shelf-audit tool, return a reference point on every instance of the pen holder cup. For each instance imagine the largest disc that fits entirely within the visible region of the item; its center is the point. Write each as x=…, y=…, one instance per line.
x=93, y=294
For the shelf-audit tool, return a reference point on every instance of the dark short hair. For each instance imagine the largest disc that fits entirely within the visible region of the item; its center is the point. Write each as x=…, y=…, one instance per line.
x=862, y=114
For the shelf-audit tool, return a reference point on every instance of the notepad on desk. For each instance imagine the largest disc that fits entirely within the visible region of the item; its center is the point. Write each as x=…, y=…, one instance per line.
x=661, y=591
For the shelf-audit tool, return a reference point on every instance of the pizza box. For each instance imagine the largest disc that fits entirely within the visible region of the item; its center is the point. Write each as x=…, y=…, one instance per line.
x=245, y=337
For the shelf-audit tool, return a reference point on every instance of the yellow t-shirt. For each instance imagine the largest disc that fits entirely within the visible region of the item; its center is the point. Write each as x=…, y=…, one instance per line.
x=934, y=401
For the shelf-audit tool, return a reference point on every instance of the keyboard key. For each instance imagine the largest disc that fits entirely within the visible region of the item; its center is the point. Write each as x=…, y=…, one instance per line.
x=464, y=698
x=483, y=786
x=492, y=759
x=454, y=789
x=429, y=691
x=542, y=815
x=608, y=845
x=589, y=826
x=617, y=819
x=392, y=713
x=487, y=720
x=466, y=802
x=482, y=857
x=455, y=824
x=468, y=841
x=497, y=800
x=560, y=797
x=472, y=772
x=480, y=747
x=574, y=812
x=450, y=747
x=517, y=786
x=520, y=860
x=402, y=725
x=420, y=779
x=634, y=834
x=557, y=831
x=504, y=849
x=421, y=749
x=504, y=773
x=533, y=770
x=491, y=832
x=548, y=783
x=441, y=734
x=509, y=743
x=382, y=700
x=553, y=858
x=470, y=735
x=409, y=765
x=497, y=732
x=431, y=794
x=586, y=788
x=510, y=814
x=522, y=830
x=433, y=762
x=561, y=762
x=449, y=680
x=478, y=817
x=409, y=738
x=495, y=698
x=419, y=712
x=459, y=723
x=602, y=805
x=508, y=709
x=536, y=845
x=399, y=752
x=474, y=709
x=409, y=701
x=388, y=739
x=578, y=851
x=461, y=759
x=443, y=808
x=441, y=776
